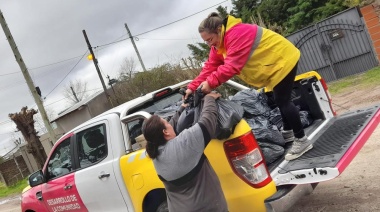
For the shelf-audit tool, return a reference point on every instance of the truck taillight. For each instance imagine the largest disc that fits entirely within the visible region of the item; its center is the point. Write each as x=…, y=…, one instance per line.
x=247, y=161
x=328, y=95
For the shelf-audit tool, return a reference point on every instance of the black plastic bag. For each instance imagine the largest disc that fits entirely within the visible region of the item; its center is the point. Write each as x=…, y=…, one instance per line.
x=265, y=132
x=229, y=115
x=253, y=102
x=276, y=119
x=271, y=152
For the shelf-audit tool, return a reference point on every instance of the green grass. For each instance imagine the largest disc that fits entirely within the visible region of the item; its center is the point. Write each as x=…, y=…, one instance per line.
x=15, y=189
x=367, y=79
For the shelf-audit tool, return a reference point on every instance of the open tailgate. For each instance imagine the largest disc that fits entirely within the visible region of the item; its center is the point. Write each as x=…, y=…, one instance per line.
x=336, y=143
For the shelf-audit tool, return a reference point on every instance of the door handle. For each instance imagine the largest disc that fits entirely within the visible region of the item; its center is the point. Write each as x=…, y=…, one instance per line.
x=103, y=175
x=39, y=195
x=68, y=186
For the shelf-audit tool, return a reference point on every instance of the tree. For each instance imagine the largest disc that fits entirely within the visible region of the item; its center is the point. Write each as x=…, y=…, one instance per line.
x=25, y=124
x=40, y=127
x=127, y=69
x=199, y=51
x=75, y=91
x=244, y=9
x=288, y=16
x=307, y=12
x=275, y=12
x=222, y=11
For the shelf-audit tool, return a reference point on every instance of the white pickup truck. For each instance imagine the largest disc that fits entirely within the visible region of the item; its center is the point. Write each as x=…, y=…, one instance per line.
x=99, y=166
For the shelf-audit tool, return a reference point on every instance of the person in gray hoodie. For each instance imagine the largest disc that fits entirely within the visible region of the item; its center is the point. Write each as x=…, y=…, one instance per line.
x=190, y=182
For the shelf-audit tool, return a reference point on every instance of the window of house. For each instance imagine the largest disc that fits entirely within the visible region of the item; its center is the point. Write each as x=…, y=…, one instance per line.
x=59, y=163
x=92, y=146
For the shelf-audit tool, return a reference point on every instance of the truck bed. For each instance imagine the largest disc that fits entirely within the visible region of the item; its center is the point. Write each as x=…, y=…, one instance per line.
x=333, y=140
x=308, y=131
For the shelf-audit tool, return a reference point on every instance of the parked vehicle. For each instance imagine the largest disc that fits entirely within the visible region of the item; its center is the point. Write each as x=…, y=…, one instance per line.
x=99, y=165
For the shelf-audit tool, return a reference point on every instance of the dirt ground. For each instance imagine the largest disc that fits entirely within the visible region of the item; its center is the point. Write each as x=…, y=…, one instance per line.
x=357, y=189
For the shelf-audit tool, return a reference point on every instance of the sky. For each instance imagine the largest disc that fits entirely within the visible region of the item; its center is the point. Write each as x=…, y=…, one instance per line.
x=49, y=37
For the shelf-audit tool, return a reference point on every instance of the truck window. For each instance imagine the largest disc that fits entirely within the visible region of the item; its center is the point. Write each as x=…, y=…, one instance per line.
x=59, y=163
x=92, y=146
x=134, y=129
x=160, y=104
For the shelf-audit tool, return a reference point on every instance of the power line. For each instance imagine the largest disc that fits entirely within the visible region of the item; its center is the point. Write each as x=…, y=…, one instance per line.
x=39, y=75
x=67, y=98
x=16, y=72
x=180, y=19
x=114, y=42
x=43, y=66
x=54, y=63
x=168, y=38
x=5, y=122
x=67, y=74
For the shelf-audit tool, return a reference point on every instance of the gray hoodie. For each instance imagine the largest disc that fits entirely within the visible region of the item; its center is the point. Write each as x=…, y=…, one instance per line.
x=191, y=183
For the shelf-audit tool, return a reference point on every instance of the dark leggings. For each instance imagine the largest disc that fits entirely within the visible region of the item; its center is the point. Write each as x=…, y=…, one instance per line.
x=289, y=112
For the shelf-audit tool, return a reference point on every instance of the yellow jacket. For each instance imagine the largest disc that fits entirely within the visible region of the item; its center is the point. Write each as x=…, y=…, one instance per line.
x=260, y=57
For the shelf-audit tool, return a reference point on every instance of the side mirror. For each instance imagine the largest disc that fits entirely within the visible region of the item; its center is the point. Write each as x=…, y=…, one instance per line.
x=37, y=178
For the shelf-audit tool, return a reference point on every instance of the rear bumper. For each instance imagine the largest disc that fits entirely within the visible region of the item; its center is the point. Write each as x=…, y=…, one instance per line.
x=284, y=199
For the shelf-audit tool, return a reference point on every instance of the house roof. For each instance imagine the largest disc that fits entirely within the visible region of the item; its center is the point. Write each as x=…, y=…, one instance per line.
x=76, y=106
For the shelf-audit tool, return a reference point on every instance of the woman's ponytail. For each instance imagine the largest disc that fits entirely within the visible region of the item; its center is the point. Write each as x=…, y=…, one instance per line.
x=211, y=23
x=153, y=133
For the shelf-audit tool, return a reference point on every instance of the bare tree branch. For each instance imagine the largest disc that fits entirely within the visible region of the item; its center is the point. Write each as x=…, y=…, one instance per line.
x=75, y=91
x=127, y=69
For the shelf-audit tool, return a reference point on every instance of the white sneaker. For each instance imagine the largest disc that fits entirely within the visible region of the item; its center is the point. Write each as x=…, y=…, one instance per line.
x=288, y=135
x=300, y=146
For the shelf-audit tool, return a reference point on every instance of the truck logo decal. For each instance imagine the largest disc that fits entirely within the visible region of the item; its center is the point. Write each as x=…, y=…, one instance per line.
x=143, y=155
x=64, y=203
x=132, y=158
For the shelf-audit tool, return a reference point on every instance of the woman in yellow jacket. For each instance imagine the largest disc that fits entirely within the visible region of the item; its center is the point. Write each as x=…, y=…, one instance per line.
x=261, y=58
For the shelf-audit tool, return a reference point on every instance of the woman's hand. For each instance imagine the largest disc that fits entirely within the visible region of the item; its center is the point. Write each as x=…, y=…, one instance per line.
x=205, y=87
x=187, y=93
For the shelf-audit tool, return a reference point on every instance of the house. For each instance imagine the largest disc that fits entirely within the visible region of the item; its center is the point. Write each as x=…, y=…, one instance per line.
x=82, y=111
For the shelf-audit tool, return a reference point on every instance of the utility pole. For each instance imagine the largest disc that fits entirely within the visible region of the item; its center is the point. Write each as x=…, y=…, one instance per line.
x=97, y=67
x=75, y=95
x=111, y=82
x=27, y=77
x=134, y=46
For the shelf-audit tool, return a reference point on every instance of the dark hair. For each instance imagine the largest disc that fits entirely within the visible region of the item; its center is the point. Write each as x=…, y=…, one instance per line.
x=211, y=23
x=153, y=133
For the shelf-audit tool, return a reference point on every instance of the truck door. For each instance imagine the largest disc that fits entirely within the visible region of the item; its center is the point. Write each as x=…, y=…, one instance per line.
x=336, y=143
x=59, y=193
x=95, y=176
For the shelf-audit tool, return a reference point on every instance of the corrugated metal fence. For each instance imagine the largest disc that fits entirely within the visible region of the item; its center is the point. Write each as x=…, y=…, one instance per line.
x=336, y=47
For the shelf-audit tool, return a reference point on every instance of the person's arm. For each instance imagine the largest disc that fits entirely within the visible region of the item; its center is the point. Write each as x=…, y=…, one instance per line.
x=174, y=120
x=209, y=117
x=238, y=42
x=199, y=135
x=210, y=66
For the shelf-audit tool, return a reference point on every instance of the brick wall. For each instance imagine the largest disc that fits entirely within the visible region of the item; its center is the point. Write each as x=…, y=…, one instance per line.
x=371, y=15
x=13, y=170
